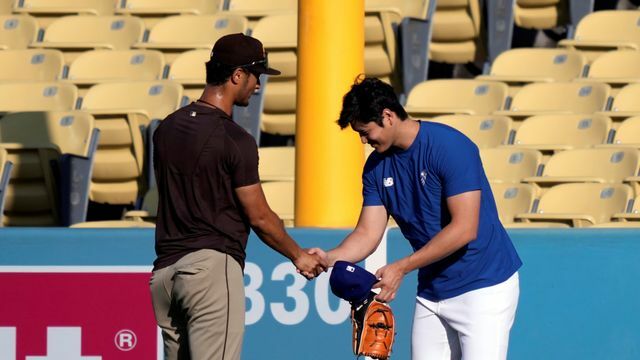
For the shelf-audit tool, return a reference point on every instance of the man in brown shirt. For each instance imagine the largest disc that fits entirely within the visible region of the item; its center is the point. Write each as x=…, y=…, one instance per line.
x=209, y=197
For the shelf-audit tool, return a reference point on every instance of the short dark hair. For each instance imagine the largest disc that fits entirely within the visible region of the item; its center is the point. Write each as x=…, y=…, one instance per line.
x=217, y=72
x=366, y=100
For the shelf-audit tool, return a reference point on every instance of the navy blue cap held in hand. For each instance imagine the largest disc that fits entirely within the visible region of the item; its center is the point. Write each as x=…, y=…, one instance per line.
x=350, y=282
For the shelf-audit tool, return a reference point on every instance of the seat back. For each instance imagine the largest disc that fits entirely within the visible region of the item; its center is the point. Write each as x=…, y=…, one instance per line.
x=628, y=133
x=540, y=14
x=99, y=66
x=17, y=31
x=256, y=9
x=573, y=131
x=509, y=164
x=613, y=26
x=277, y=163
x=280, y=195
x=462, y=96
x=194, y=31
x=486, y=131
x=404, y=8
x=563, y=97
x=608, y=164
x=537, y=64
x=189, y=70
x=614, y=67
x=86, y=31
x=455, y=35
x=627, y=99
x=35, y=140
x=37, y=96
x=600, y=201
x=166, y=7
x=512, y=199
x=31, y=65
x=58, y=7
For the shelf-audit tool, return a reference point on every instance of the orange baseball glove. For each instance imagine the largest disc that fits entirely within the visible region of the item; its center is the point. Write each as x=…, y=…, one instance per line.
x=373, y=329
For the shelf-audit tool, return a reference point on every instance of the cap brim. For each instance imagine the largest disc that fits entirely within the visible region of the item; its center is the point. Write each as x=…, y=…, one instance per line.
x=263, y=70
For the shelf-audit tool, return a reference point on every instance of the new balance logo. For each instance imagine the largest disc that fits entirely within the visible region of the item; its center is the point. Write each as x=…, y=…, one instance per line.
x=387, y=182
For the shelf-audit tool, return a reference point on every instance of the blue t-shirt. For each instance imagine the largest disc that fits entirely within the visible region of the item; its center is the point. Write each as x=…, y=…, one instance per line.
x=414, y=184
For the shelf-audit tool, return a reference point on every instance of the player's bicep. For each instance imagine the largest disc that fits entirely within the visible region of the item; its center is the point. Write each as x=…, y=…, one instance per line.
x=252, y=200
x=465, y=210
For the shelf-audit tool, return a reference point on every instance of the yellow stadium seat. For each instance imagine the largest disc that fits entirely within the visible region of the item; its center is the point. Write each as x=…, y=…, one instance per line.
x=64, y=7
x=628, y=133
x=277, y=163
x=149, y=209
x=280, y=195
x=456, y=96
x=176, y=34
x=100, y=66
x=580, y=205
x=254, y=10
x=625, y=103
x=6, y=6
x=188, y=69
x=540, y=14
x=616, y=68
x=412, y=8
x=550, y=133
x=512, y=199
x=518, y=67
x=486, y=131
x=633, y=215
x=152, y=11
x=455, y=34
x=558, y=98
x=31, y=65
x=121, y=109
x=507, y=164
x=39, y=193
x=17, y=31
x=37, y=96
x=602, y=31
x=78, y=33
x=596, y=165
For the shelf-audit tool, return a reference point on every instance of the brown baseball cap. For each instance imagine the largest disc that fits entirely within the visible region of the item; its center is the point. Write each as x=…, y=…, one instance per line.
x=240, y=50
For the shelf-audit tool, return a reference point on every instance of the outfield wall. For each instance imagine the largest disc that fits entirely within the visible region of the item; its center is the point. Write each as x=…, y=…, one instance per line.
x=82, y=294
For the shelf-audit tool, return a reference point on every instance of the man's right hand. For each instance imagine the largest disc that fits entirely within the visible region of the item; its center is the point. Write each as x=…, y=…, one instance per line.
x=310, y=265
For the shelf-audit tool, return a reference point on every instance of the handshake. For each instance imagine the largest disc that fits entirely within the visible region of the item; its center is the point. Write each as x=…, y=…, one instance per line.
x=310, y=263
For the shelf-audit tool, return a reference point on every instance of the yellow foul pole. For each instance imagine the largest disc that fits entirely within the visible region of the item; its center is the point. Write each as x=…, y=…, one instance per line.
x=328, y=160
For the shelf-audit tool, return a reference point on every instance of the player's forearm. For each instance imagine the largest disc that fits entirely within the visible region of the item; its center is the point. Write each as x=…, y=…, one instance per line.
x=450, y=239
x=354, y=248
x=270, y=230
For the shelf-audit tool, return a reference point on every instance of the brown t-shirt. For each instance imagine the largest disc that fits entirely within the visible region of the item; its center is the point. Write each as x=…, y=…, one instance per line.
x=200, y=157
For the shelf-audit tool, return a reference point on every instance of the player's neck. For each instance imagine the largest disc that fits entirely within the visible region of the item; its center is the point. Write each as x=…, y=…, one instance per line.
x=215, y=97
x=406, y=133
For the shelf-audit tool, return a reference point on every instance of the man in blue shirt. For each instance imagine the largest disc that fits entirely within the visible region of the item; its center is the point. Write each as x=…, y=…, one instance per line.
x=429, y=178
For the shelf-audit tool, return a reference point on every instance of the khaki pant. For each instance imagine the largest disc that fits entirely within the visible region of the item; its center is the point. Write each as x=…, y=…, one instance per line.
x=199, y=305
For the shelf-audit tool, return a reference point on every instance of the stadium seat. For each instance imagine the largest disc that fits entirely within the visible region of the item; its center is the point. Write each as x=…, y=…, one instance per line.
x=17, y=31
x=37, y=96
x=552, y=133
x=625, y=103
x=100, y=66
x=415, y=8
x=176, y=34
x=40, y=193
x=557, y=98
x=633, y=215
x=152, y=11
x=5, y=173
x=47, y=11
x=280, y=195
x=628, y=133
x=540, y=14
x=596, y=165
x=78, y=33
x=456, y=96
x=510, y=165
x=31, y=65
x=455, y=34
x=580, y=205
x=519, y=67
x=616, y=68
x=486, y=131
x=277, y=163
x=6, y=6
x=122, y=110
x=149, y=209
x=603, y=31
x=188, y=69
x=254, y=10
x=511, y=200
